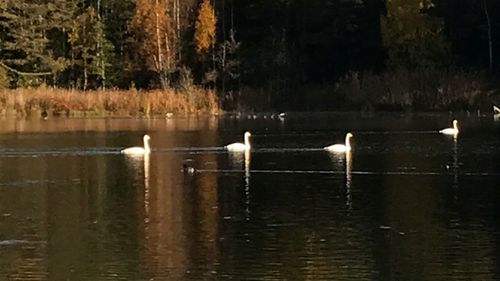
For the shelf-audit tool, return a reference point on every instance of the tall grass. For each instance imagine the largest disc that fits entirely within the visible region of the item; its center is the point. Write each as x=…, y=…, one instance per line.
x=107, y=102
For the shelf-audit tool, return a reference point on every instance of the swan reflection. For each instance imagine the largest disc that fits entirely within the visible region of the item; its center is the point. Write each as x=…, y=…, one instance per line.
x=343, y=161
x=455, y=163
x=146, y=186
x=348, y=179
x=247, y=184
x=239, y=159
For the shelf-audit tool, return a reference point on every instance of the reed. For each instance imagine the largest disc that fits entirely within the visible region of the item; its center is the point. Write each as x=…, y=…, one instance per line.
x=25, y=102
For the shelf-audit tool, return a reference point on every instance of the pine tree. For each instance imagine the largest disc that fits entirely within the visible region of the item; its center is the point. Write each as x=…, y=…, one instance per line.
x=89, y=46
x=412, y=37
x=115, y=16
x=29, y=26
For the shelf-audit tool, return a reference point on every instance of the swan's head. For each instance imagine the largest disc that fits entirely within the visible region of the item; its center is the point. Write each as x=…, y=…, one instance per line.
x=455, y=122
x=146, y=137
x=349, y=135
x=247, y=134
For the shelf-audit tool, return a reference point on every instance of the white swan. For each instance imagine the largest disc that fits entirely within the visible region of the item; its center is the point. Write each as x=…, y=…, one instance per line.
x=237, y=146
x=451, y=131
x=341, y=147
x=138, y=150
x=496, y=110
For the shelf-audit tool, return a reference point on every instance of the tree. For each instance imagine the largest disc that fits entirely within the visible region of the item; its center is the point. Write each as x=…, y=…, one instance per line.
x=204, y=35
x=490, y=41
x=412, y=37
x=28, y=26
x=204, y=40
x=154, y=36
x=115, y=16
x=89, y=46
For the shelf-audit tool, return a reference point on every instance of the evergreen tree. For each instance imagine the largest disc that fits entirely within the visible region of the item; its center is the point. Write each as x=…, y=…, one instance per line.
x=29, y=27
x=115, y=16
x=89, y=47
x=412, y=37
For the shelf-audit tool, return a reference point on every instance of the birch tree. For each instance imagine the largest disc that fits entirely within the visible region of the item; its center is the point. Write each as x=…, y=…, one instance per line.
x=154, y=35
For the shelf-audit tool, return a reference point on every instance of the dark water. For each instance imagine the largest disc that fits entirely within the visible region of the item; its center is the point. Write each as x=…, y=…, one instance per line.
x=406, y=204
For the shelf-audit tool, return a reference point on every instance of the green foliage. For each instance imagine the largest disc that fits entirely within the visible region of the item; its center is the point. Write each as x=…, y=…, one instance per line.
x=413, y=39
x=27, y=26
x=89, y=46
x=115, y=21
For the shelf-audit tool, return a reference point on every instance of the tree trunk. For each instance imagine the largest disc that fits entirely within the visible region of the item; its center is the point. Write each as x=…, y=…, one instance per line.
x=178, y=29
x=159, y=57
x=85, y=75
x=490, y=43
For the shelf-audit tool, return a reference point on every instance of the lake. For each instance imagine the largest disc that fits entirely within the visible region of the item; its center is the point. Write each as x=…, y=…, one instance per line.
x=406, y=204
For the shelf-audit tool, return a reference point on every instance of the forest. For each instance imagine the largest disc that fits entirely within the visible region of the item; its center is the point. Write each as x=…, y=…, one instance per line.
x=259, y=54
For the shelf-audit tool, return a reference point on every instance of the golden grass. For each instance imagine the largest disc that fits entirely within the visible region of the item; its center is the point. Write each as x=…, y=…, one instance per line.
x=107, y=102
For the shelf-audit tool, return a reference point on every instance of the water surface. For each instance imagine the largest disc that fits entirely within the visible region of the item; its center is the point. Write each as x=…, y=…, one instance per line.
x=406, y=204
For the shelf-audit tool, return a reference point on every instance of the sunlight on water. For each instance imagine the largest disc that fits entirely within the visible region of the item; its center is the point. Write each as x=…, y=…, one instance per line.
x=406, y=204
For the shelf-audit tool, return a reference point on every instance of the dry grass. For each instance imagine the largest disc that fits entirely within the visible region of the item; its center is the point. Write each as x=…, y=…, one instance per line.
x=107, y=102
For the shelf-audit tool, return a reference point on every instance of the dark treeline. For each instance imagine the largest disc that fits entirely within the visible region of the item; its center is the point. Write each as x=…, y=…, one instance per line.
x=261, y=54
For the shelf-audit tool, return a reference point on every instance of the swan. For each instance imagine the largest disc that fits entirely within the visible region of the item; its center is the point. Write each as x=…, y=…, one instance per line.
x=281, y=116
x=237, y=146
x=451, y=131
x=341, y=147
x=138, y=150
x=496, y=110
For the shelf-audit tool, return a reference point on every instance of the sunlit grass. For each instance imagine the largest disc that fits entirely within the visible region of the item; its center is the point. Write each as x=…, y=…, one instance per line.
x=24, y=102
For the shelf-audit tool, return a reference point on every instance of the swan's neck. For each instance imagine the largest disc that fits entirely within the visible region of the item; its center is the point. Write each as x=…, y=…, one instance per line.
x=247, y=141
x=347, y=143
x=455, y=127
x=147, y=149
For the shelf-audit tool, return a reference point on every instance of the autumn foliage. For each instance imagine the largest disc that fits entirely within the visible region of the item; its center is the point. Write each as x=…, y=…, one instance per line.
x=204, y=35
x=153, y=33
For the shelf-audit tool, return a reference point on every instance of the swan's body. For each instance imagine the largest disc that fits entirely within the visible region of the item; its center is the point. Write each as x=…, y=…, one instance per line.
x=237, y=146
x=138, y=150
x=451, y=131
x=341, y=147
